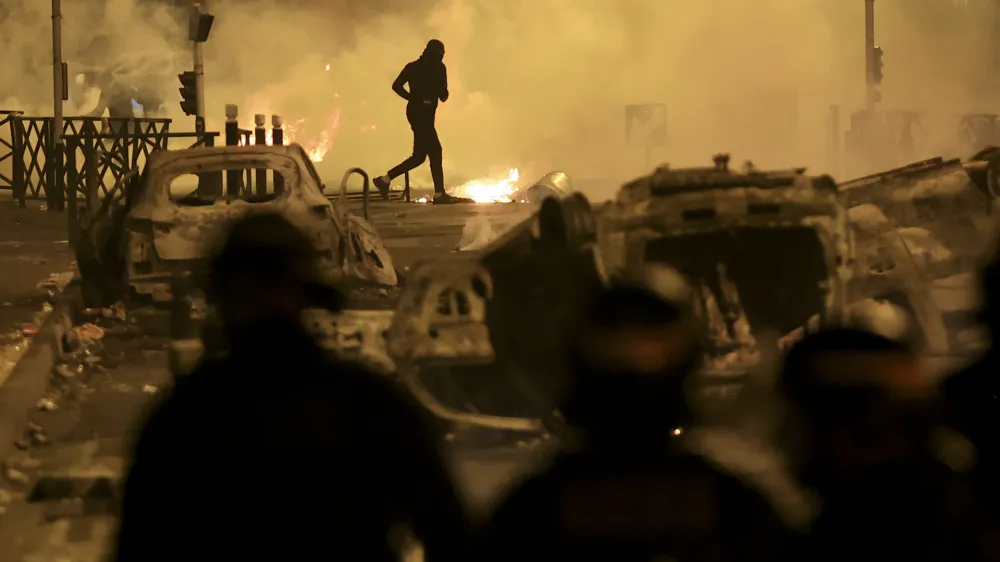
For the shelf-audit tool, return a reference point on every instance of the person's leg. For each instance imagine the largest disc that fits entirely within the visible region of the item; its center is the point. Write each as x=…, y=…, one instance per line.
x=434, y=153
x=415, y=159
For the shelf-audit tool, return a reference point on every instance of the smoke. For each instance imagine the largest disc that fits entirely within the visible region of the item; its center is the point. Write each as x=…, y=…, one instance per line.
x=536, y=84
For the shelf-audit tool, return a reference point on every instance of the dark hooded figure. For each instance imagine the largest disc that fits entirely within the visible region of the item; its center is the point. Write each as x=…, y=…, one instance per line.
x=277, y=451
x=972, y=396
x=427, y=78
x=633, y=491
x=861, y=434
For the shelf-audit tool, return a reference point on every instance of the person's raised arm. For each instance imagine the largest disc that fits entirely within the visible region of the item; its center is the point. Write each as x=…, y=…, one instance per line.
x=400, y=82
x=443, y=95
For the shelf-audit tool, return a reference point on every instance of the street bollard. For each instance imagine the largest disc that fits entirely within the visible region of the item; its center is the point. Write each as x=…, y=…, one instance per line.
x=186, y=317
x=233, y=180
x=277, y=139
x=260, y=138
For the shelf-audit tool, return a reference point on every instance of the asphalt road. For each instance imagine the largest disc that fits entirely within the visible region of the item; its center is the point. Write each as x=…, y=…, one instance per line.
x=83, y=428
x=33, y=249
x=33, y=245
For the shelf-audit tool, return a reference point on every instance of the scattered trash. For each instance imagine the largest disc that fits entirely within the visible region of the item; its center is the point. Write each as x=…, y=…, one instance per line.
x=89, y=333
x=476, y=234
x=5, y=499
x=57, y=281
x=15, y=476
x=11, y=353
x=116, y=310
x=46, y=405
x=64, y=371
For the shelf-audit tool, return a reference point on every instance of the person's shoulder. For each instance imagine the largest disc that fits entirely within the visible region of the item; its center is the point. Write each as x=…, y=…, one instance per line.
x=364, y=379
x=525, y=496
x=971, y=379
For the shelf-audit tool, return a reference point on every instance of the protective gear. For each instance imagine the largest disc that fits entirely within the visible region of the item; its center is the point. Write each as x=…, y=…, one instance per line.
x=267, y=249
x=632, y=359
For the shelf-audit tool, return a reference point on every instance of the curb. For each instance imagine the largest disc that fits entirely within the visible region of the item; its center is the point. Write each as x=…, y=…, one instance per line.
x=29, y=380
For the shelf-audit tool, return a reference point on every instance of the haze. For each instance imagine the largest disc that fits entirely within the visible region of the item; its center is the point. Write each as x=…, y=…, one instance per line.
x=536, y=84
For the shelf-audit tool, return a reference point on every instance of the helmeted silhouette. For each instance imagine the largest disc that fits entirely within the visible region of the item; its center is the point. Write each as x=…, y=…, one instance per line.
x=972, y=396
x=863, y=437
x=633, y=491
x=278, y=451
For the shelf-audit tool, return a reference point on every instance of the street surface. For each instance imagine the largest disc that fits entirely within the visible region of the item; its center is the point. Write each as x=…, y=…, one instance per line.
x=35, y=258
x=83, y=428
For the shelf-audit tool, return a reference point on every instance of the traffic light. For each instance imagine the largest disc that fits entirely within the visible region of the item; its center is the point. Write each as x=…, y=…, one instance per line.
x=189, y=93
x=877, y=65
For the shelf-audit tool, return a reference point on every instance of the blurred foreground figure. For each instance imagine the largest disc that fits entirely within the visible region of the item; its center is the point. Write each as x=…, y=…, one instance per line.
x=277, y=451
x=861, y=436
x=633, y=491
x=427, y=78
x=972, y=396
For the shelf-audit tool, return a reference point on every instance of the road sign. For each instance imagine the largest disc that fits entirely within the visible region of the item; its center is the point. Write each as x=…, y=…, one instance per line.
x=646, y=124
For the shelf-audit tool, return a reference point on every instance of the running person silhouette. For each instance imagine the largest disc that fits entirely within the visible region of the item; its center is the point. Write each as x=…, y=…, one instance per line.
x=427, y=78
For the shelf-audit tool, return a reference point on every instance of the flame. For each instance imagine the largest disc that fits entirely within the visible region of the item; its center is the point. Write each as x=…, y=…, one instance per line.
x=486, y=190
x=317, y=148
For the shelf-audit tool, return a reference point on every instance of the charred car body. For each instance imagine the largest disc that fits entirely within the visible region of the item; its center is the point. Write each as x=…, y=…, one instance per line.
x=765, y=251
x=167, y=221
x=771, y=255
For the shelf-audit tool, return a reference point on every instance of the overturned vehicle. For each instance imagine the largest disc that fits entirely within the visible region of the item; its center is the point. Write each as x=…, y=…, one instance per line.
x=929, y=224
x=166, y=222
x=771, y=255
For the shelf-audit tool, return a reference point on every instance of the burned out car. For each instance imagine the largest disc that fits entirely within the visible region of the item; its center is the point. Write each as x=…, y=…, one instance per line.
x=764, y=251
x=169, y=219
x=477, y=337
x=925, y=226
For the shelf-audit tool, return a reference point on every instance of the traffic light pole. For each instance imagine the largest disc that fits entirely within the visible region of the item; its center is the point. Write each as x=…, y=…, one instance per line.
x=870, y=81
x=199, y=76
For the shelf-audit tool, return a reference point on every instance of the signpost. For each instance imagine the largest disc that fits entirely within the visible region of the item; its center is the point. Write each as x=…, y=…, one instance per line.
x=646, y=126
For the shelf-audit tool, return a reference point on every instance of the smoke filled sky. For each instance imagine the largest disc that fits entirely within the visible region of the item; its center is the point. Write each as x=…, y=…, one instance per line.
x=536, y=84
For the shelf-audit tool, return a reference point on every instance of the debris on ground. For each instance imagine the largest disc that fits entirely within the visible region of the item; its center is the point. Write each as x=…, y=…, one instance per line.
x=56, y=282
x=15, y=477
x=63, y=370
x=88, y=334
x=476, y=234
x=46, y=405
x=15, y=346
x=116, y=310
x=5, y=499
